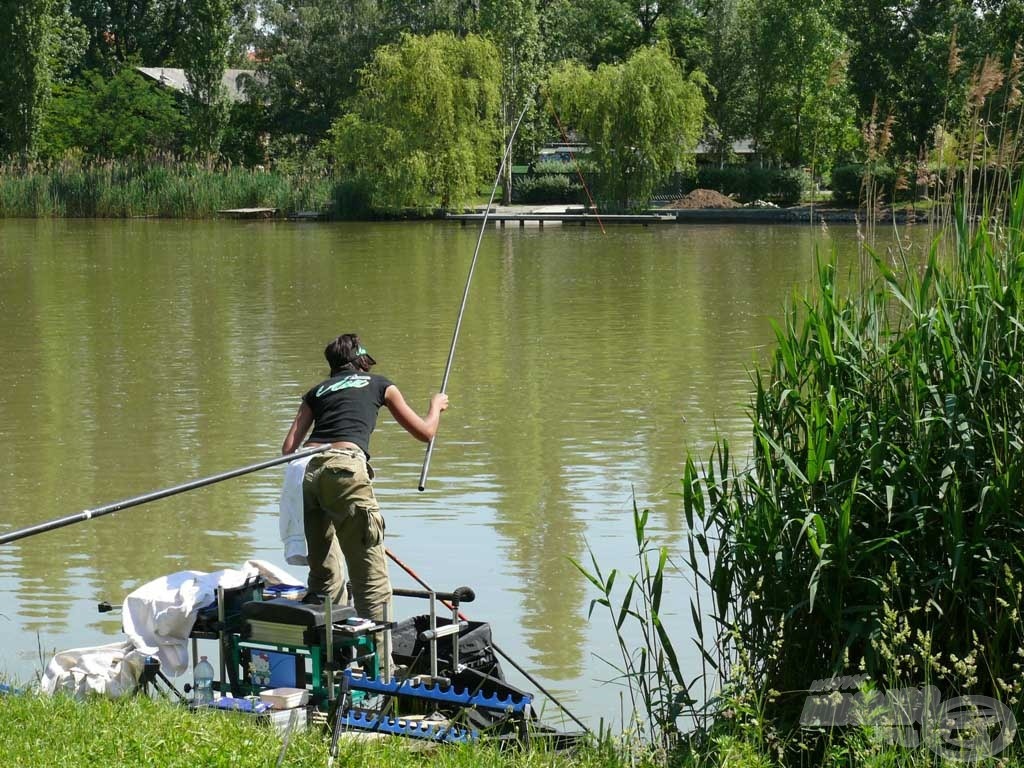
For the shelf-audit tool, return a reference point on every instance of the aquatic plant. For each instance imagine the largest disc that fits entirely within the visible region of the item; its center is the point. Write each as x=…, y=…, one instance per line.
x=648, y=666
x=878, y=527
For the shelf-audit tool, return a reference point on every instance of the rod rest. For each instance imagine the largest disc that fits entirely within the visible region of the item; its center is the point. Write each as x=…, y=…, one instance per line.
x=417, y=729
x=464, y=697
x=460, y=595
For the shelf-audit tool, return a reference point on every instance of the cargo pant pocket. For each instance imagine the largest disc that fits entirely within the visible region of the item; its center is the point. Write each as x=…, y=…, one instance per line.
x=372, y=523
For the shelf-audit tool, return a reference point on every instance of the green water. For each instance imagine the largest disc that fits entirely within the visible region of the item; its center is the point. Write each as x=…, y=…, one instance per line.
x=141, y=354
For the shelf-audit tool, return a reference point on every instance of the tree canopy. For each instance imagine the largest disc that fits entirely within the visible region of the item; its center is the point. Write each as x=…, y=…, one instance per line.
x=804, y=82
x=121, y=116
x=26, y=33
x=422, y=129
x=642, y=119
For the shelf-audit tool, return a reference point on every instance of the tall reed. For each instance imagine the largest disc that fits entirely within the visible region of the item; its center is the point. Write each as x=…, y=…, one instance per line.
x=158, y=187
x=880, y=524
x=977, y=152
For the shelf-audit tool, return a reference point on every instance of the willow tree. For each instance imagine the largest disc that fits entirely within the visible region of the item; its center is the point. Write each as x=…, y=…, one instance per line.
x=423, y=129
x=642, y=120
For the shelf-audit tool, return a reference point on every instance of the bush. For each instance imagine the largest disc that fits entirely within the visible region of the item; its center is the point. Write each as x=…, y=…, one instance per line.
x=849, y=183
x=547, y=188
x=790, y=186
x=846, y=184
x=545, y=167
x=350, y=199
x=117, y=117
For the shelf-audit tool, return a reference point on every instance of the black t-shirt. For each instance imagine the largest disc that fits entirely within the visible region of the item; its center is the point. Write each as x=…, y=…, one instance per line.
x=345, y=407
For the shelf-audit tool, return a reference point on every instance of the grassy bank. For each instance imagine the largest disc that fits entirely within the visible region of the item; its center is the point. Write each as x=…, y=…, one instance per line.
x=62, y=733
x=170, y=189
x=39, y=731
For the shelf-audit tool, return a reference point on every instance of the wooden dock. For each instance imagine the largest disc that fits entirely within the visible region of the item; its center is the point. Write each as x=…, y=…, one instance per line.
x=579, y=219
x=248, y=213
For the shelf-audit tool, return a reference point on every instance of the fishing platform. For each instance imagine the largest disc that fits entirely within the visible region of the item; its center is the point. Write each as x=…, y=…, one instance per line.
x=294, y=663
x=558, y=214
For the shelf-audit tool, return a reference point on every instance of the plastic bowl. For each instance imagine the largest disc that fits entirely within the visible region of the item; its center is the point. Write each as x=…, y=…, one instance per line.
x=285, y=698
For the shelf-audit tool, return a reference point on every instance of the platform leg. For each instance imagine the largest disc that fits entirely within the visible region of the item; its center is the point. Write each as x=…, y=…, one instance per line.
x=335, y=713
x=329, y=630
x=387, y=669
x=221, y=637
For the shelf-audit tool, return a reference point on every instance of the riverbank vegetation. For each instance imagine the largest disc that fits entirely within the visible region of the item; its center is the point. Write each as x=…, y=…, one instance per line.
x=770, y=83
x=100, y=733
x=855, y=576
x=157, y=187
x=140, y=732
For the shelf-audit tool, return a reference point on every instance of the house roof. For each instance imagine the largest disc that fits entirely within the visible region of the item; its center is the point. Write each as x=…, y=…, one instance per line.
x=234, y=80
x=739, y=147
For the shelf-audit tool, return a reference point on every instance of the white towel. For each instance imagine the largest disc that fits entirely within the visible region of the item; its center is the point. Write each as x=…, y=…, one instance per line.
x=293, y=532
x=159, y=616
x=109, y=670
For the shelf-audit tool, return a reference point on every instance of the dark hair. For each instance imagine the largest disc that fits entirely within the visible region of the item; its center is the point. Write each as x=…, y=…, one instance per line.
x=346, y=352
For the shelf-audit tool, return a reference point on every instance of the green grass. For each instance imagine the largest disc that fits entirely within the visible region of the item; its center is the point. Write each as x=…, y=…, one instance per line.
x=41, y=731
x=142, y=733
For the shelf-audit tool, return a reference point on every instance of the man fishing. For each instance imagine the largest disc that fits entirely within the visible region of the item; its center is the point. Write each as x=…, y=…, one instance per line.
x=340, y=512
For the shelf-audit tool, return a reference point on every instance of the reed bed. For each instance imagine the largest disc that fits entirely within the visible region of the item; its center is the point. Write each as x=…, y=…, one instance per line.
x=875, y=531
x=166, y=189
x=879, y=527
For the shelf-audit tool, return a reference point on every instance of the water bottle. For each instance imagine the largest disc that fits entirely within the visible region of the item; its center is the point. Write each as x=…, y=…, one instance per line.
x=203, y=690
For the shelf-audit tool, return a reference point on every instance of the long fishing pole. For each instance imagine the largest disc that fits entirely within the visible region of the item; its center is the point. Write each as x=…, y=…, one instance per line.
x=469, y=278
x=494, y=645
x=89, y=514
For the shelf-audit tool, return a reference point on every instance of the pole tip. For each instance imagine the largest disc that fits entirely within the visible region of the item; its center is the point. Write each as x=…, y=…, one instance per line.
x=423, y=487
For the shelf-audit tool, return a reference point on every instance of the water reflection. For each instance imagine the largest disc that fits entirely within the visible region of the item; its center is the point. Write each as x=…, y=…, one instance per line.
x=142, y=354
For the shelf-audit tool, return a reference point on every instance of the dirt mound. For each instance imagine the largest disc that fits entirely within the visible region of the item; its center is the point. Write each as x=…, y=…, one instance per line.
x=703, y=198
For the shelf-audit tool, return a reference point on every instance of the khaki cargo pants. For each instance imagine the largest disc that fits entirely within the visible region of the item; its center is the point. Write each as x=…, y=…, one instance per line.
x=344, y=527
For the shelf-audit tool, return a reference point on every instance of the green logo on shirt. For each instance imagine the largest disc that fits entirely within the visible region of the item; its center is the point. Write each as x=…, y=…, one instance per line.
x=347, y=383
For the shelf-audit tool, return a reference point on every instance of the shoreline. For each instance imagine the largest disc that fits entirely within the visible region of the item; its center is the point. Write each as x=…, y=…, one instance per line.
x=800, y=214
x=567, y=214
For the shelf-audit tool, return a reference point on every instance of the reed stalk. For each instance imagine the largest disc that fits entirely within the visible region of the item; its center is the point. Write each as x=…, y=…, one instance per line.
x=158, y=188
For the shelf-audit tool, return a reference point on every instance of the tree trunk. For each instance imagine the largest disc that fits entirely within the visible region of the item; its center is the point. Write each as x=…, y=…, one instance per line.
x=506, y=145
x=506, y=195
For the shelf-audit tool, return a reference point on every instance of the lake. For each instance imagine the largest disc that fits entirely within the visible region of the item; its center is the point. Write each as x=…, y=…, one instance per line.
x=142, y=354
